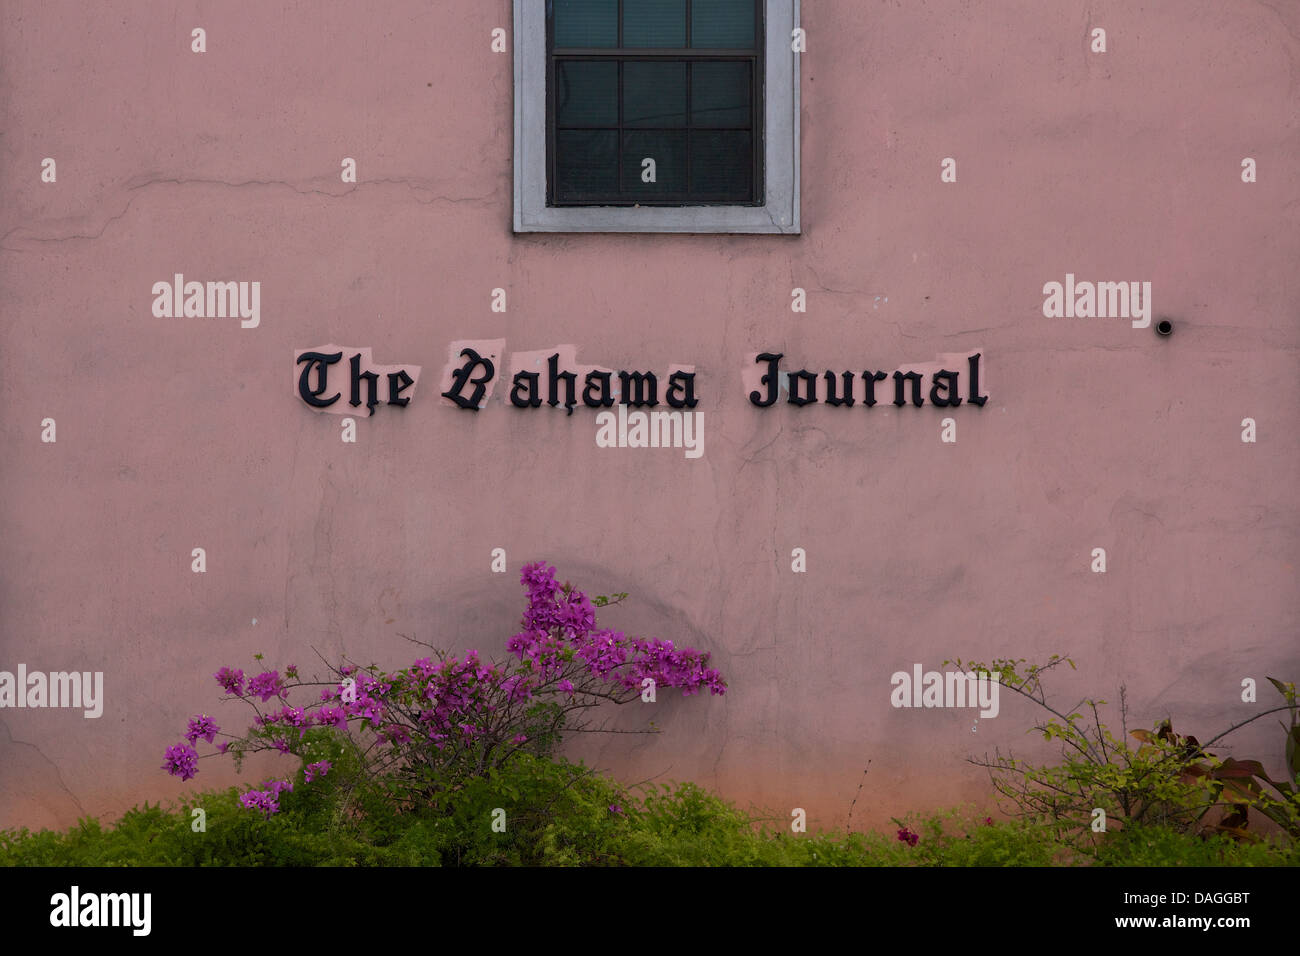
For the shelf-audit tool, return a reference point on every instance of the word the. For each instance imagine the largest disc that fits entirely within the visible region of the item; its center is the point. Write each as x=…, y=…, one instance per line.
x=1101, y=300
x=103, y=909
x=320, y=360
x=58, y=689
x=651, y=430
x=219, y=300
x=950, y=689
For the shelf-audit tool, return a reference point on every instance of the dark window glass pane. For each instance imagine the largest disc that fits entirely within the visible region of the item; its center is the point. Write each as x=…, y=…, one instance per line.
x=654, y=94
x=654, y=23
x=722, y=165
x=722, y=24
x=668, y=149
x=695, y=119
x=586, y=93
x=720, y=94
x=586, y=163
x=586, y=23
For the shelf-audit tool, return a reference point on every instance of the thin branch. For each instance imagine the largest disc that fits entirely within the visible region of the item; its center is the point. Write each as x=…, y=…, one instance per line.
x=1244, y=723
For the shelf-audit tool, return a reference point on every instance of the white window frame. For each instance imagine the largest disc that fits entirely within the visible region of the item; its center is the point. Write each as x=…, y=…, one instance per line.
x=779, y=214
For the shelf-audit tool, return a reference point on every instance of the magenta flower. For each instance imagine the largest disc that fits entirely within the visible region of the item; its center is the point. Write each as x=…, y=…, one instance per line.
x=181, y=761
x=908, y=837
x=201, y=726
x=442, y=707
x=558, y=623
x=231, y=681
x=263, y=800
x=331, y=717
x=266, y=685
x=367, y=707
x=395, y=733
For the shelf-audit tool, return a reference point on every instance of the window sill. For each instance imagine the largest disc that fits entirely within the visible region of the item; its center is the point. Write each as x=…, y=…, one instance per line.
x=697, y=219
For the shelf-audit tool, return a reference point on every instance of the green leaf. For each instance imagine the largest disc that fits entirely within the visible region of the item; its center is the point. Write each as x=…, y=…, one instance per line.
x=1287, y=691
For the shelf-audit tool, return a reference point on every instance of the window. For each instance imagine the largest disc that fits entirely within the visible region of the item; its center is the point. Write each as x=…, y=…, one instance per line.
x=653, y=102
x=656, y=116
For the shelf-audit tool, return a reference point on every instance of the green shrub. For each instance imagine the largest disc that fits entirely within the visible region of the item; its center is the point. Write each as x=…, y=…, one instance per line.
x=1169, y=780
x=563, y=814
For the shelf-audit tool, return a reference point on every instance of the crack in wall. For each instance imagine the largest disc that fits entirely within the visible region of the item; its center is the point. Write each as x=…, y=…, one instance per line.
x=57, y=772
x=415, y=185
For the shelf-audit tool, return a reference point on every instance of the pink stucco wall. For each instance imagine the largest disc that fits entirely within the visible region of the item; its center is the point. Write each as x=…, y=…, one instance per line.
x=174, y=434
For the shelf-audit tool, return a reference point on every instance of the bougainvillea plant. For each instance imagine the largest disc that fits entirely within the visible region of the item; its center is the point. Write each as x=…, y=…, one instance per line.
x=426, y=729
